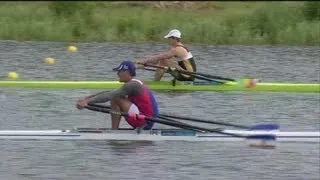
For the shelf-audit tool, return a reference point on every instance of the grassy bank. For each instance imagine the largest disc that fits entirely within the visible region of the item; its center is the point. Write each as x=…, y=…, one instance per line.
x=291, y=23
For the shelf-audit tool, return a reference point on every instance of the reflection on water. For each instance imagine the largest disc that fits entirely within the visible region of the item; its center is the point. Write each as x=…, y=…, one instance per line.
x=128, y=148
x=118, y=148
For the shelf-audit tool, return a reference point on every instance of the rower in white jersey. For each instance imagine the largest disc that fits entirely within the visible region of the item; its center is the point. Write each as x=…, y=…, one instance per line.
x=178, y=57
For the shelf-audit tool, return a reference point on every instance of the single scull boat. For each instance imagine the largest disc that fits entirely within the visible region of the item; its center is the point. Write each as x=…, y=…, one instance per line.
x=154, y=135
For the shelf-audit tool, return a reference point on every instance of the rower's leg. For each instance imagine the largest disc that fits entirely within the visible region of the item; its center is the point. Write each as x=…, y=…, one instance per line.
x=119, y=104
x=159, y=72
x=115, y=119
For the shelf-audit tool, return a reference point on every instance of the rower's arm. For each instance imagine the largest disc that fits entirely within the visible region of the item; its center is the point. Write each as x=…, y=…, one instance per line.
x=128, y=89
x=154, y=59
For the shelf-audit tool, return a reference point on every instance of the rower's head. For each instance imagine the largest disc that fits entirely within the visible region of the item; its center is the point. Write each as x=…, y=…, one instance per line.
x=174, y=37
x=126, y=71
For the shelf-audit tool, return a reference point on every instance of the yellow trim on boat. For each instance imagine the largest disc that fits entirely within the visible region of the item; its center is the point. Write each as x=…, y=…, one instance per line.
x=166, y=86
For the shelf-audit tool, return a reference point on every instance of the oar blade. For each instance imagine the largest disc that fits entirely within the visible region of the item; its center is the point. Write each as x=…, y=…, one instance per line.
x=263, y=135
x=264, y=127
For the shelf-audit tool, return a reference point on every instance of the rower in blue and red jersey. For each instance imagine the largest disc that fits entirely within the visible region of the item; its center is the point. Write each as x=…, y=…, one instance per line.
x=134, y=97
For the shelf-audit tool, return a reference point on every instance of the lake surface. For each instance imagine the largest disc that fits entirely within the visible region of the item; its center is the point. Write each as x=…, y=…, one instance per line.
x=54, y=109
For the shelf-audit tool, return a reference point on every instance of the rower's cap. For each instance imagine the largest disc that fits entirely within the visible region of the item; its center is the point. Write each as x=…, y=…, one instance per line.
x=127, y=66
x=173, y=33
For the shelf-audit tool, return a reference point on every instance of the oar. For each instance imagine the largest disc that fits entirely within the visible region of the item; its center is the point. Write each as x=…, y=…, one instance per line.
x=204, y=121
x=156, y=120
x=195, y=74
x=184, y=126
x=260, y=126
x=149, y=69
x=164, y=118
x=172, y=120
x=264, y=126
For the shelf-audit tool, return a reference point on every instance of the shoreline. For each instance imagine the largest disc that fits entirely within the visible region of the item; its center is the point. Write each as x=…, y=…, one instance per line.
x=162, y=43
x=218, y=23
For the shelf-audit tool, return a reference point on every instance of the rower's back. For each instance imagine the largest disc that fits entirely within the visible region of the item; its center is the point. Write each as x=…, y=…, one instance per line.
x=186, y=61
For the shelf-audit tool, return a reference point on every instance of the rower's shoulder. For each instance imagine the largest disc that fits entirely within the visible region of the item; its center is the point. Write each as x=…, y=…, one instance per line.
x=134, y=83
x=133, y=87
x=176, y=49
x=181, y=47
x=178, y=46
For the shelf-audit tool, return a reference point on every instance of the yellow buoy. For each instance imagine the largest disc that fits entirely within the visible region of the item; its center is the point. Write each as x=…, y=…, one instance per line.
x=13, y=75
x=49, y=60
x=72, y=49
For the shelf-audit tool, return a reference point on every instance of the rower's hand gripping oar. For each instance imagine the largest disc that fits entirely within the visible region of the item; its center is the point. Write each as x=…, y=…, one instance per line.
x=184, y=126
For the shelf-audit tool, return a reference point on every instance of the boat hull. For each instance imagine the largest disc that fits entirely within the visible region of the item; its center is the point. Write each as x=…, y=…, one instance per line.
x=165, y=86
x=154, y=135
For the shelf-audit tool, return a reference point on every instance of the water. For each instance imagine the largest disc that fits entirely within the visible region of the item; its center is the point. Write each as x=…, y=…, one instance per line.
x=54, y=109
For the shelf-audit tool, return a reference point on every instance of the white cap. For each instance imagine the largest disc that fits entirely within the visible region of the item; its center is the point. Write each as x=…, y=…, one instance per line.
x=173, y=33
